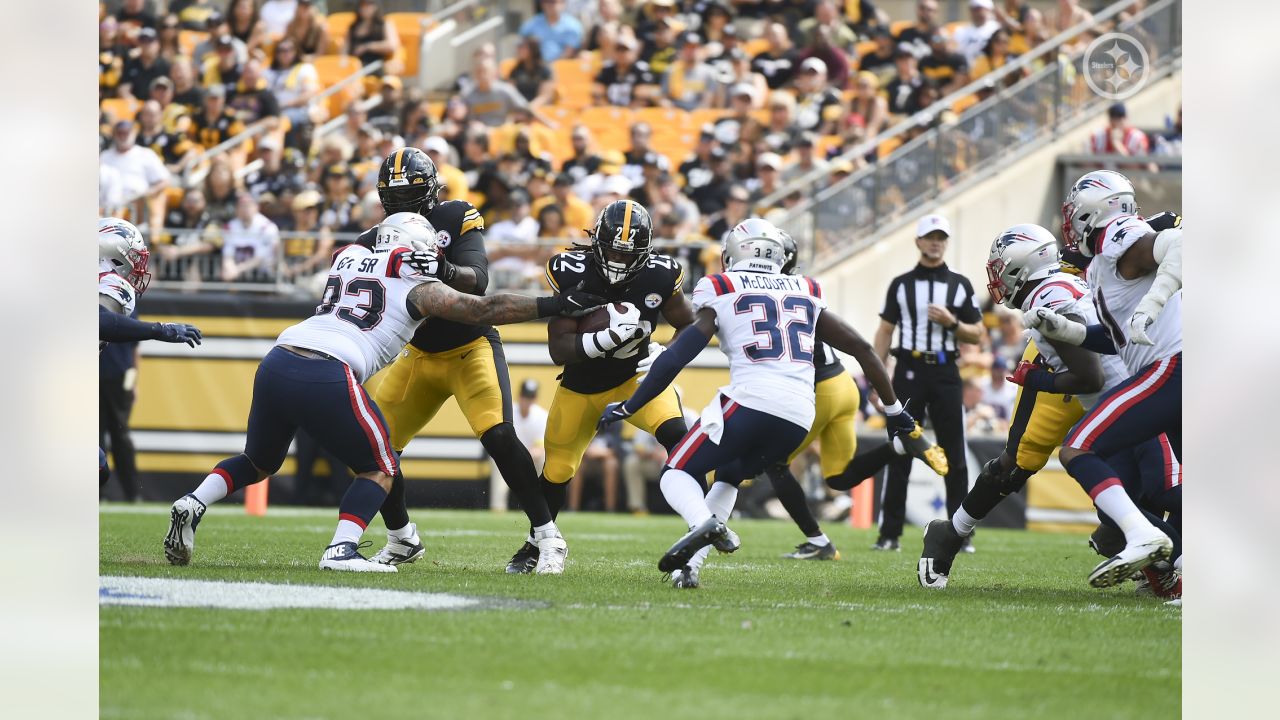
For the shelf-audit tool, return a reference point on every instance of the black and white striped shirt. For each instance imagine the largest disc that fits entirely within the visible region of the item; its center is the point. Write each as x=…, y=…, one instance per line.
x=906, y=305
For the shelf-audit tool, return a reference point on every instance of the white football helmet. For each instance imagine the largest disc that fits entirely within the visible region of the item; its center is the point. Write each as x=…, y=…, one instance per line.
x=404, y=229
x=1094, y=200
x=122, y=250
x=755, y=244
x=1019, y=255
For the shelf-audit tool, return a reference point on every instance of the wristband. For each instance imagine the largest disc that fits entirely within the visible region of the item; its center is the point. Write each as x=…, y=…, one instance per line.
x=448, y=271
x=591, y=345
x=894, y=409
x=547, y=306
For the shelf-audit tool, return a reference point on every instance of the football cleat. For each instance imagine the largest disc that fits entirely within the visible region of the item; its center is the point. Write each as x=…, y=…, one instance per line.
x=1106, y=540
x=685, y=578
x=884, y=543
x=525, y=559
x=552, y=552
x=709, y=532
x=918, y=446
x=345, y=556
x=401, y=551
x=808, y=551
x=1132, y=558
x=967, y=547
x=1160, y=580
x=941, y=543
x=180, y=541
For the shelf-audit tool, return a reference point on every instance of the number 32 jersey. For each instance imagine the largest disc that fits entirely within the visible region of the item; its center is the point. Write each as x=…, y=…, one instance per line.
x=661, y=278
x=766, y=327
x=363, y=318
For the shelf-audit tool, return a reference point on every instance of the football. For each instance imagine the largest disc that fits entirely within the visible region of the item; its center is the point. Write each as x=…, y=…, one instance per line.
x=598, y=319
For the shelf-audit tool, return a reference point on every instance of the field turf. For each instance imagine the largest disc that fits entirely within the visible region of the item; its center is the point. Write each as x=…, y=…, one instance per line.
x=1019, y=634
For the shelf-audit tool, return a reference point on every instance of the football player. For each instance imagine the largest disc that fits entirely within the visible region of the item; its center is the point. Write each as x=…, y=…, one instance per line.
x=448, y=358
x=768, y=324
x=1135, y=274
x=1059, y=382
x=374, y=300
x=601, y=367
x=122, y=277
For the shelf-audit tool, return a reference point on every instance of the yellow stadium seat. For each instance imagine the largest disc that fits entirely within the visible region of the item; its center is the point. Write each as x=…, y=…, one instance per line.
x=337, y=24
x=676, y=147
x=120, y=108
x=897, y=26
x=703, y=116
x=825, y=143
x=189, y=39
x=964, y=103
x=610, y=125
x=888, y=146
x=755, y=46
x=864, y=48
x=506, y=66
x=410, y=25
x=332, y=68
x=664, y=121
x=573, y=81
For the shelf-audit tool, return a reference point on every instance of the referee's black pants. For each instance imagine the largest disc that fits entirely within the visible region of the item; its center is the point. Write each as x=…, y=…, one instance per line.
x=115, y=404
x=933, y=391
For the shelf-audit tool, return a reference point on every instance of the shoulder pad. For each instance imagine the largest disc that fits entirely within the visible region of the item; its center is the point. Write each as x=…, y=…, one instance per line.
x=1120, y=234
x=367, y=237
x=456, y=217
x=1058, y=291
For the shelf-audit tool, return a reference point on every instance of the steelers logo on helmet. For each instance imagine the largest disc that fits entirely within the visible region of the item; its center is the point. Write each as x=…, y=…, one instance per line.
x=622, y=240
x=407, y=182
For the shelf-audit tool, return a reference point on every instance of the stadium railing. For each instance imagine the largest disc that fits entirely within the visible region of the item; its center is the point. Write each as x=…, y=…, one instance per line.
x=844, y=216
x=445, y=49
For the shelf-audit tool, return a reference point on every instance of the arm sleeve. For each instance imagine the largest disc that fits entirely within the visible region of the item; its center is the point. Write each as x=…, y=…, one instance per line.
x=686, y=347
x=1096, y=340
x=891, y=313
x=468, y=251
x=119, y=328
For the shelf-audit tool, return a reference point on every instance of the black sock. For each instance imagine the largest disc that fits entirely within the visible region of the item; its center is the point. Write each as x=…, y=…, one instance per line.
x=861, y=467
x=395, y=513
x=791, y=495
x=555, y=493
x=516, y=467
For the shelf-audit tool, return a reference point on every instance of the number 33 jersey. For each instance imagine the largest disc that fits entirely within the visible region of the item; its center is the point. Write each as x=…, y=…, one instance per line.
x=363, y=318
x=766, y=326
x=661, y=278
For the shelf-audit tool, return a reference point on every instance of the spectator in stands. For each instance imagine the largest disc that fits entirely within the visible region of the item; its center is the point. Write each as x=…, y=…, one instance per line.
x=993, y=56
x=901, y=91
x=837, y=61
x=476, y=160
x=366, y=158
x=339, y=200
x=134, y=16
x=218, y=28
x=223, y=67
x=246, y=26
x=531, y=76
x=690, y=83
x=186, y=92
x=717, y=20
x=818, y=107
x=778, y=62
x=943, y=65
x=110, y=57
x=276, y=14
x=826, y=16
x=530, y=421
x=220, y=190
x=868, y=104
x=584, y=160
x=169, y=47
x=513, y=241
x=807, y=160
x=172, y=148
x=252, y=99
x=998, y=392
x=308, y=32
x=606, y=19
x=625, y=79
x=1170, y=143
x=1118, y=137
x=416, y=118
x=143, y=176
x=721, y=55
x=920, y=34
x=733, y=209
x=561, y=34
x=652, y=16
x=880, y=60
x=146, y=66
x=386, y=115
x=194, y=14
x=193, y=238
x=971, y=38
x=660, y=51
x=274, y=177
x=979, y=417
x=743, y=83
x=671, y=203
x=216, y=123
x=250, y=243
x=492, y=100
x=455, y=181
x=310, y=250
x=1068, y=15
x=577, y=213
x=780, y=131
x=294, y=82
x=371, y=37
x=640, y=152
x=551, y=224
x=768, y=180
x=695, y=171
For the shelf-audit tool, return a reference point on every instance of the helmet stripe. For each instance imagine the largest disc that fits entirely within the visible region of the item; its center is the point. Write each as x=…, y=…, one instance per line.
x=396, y=163
x=626, y=222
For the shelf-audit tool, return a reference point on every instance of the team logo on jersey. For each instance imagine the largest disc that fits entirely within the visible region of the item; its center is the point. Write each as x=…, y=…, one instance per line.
x=652, y=300
x=443, y=238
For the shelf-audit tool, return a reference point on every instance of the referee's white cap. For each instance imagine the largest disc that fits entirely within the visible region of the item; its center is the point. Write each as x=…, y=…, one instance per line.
x=929, y=223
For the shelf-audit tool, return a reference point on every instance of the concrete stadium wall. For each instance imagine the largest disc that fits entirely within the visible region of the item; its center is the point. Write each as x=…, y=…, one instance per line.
x=1023, y=192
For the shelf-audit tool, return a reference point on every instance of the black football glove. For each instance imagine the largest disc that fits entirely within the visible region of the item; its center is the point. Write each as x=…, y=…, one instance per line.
x=899, y=425
x=613, y=412
x=432, y=263
x=574, y=302
x=178, y=333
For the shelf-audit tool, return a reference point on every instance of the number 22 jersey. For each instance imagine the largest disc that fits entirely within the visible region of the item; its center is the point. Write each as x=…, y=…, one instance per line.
x=766, y=327
x=363, y=318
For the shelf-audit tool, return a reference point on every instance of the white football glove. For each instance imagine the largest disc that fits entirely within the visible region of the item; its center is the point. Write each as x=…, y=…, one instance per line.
x=1054, y=326
x=1138, y=324
x=624, y=323
x=655, y=349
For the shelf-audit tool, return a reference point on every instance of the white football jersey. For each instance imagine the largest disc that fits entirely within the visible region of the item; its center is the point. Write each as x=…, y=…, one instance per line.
x=766, y=328
x=112, y=285
x=363, y=317
x=1068, y=293
x=1116, y=298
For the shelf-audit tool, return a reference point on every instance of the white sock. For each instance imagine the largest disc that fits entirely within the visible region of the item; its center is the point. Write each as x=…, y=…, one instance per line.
x=684, y=495
x=347, y=532
x=1177, y=564
x=213, y=489
x=821, y=540
x=1117, y=504
x=964, y=523
x=720, y=500
x=544, y=531
x=699, y=557
x=404, y=533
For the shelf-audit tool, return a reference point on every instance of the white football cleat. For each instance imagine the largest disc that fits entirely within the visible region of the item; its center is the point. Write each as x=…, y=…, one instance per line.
x=180, y=541
x=401, y=551
x=552, y=552
x=1133, y=558
x=346, y=556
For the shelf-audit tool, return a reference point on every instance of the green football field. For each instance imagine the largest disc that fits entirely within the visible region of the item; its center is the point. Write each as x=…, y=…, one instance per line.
x=1019, y=634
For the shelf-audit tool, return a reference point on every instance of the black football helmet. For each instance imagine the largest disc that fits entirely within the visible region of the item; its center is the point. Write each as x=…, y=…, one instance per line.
x=622, y=240
x=790, y=254
x=407, y=182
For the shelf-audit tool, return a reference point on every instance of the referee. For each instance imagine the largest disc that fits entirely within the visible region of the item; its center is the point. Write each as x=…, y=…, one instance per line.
x=932, y=307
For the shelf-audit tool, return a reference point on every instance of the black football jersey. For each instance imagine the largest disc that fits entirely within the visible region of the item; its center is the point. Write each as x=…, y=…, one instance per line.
x=826, y=364
x=460, y=231
x=660, y=279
